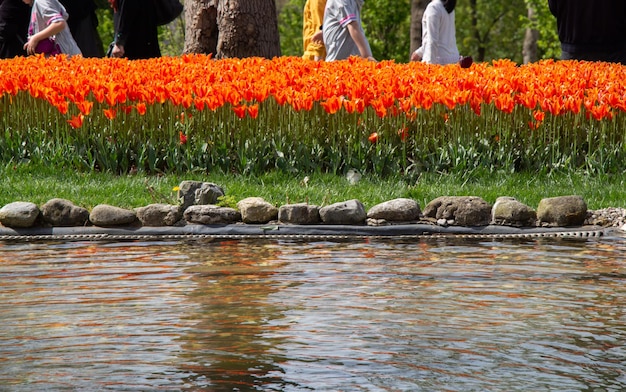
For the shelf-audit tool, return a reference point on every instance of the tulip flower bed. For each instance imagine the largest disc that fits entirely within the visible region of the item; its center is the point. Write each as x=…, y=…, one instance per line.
x=193, y=113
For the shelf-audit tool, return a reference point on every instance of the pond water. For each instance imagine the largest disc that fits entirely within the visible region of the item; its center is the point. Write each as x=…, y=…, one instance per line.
x=362, y=315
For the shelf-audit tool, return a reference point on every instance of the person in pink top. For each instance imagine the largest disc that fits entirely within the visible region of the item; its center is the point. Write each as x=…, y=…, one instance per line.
x=48, y=29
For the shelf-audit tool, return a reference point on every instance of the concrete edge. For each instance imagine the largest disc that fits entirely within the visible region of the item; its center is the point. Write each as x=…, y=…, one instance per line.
x=278, y=231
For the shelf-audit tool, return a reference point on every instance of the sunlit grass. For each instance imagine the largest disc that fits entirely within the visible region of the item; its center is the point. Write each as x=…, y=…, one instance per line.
x=38, y=185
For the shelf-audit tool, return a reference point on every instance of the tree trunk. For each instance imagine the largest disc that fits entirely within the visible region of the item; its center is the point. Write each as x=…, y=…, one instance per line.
x=530, y=50
x=201, y=32
x=417, y=12
x=247, y=28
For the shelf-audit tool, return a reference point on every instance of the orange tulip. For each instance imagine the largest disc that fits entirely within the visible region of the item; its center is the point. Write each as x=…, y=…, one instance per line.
x=141, y=108
x=76, y=121
x=240, y=111
x=84, y=107
x=110, y=113
x=253, y=111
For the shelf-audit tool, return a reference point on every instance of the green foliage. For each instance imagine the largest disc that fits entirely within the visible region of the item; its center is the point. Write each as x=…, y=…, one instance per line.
x=290, y=28
x=105, y=23
x=488, y=29
x=227, y=201
x=545, y=23
x=387, y=27
x=286, y=140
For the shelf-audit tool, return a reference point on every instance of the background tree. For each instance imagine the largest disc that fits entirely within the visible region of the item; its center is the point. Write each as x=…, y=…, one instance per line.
x=201, y=34
x=548, y=45
x=247, y=28
x=531, y=38
x=417, y=12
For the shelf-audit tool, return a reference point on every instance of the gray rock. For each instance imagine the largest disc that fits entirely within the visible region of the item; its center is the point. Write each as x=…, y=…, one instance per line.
x=63, y=213
x=19, y=214
x=159, y=214
x=301, y=213
x=460, y=210
x=198, y=193
x=257, y=210
x=509, y=211
x=376, y=222
x=351, y=212
x=106, y=215
x=396, y=210
x=562, y=211
x=211, y=215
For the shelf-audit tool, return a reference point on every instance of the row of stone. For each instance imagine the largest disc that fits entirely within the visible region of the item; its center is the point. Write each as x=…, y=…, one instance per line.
x=197, y=206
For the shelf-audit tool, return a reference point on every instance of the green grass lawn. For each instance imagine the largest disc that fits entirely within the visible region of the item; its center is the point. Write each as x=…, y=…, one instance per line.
x=40, y=184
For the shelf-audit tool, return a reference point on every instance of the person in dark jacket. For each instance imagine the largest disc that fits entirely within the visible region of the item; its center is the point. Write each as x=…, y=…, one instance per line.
x=83, y=23
x=14, y=20
x=591, y=30
x=136, y=33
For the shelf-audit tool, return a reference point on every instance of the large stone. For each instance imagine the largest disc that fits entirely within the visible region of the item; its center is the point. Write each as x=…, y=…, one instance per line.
x=459, y=210
x=19, y=214
x=396, y=210
x=198, y=193
x=509, y=211
x=211, y=215
x=159, y=214
x=351, y=212
x=63, y=213
x=301, y=213
x=105, y=215
x=257, y=210
x=562, y=211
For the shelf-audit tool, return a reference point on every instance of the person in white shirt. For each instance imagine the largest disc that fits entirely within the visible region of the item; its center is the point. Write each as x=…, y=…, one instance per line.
x=438, y=34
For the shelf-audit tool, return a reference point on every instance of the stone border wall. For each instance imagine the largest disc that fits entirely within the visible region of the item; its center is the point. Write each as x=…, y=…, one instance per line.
x=198, y=207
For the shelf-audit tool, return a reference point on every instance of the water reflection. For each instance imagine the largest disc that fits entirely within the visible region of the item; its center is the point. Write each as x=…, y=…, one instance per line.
x=298, y=316
x=226, y=349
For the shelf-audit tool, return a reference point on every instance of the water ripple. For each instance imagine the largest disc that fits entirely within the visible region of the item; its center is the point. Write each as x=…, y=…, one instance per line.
x=299, y=316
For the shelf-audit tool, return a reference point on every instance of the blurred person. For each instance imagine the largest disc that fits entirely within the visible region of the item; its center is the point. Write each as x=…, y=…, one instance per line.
x=343, y=32
x=438, y=34
x=48, y=31
x=83, y=23
x=136, y=30
x=591, y=30
x=14, y=19
x=312, y=34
